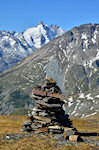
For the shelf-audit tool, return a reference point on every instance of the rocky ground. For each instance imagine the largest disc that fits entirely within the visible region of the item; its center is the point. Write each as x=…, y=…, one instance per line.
x=11, y=136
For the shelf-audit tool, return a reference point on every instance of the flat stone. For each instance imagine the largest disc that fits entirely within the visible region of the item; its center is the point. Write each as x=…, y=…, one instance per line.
x=35, y=109
x=42, y=130
x=42, y=107
x=41, y=103
x=52, y=100
x=43, y=114
x=41, y=122
x=48, y=105
x=55, y=127
x=55, y=131
x=46, y=99
x=36, y=97
x=42, y=118
x=45, y=94
x=27, y=123
x=74, y=138
x=39, y=93
x=56, y=95
x=55, y=105
x=36, y=126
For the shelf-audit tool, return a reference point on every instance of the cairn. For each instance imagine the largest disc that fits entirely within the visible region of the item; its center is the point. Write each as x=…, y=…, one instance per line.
x=48, y=114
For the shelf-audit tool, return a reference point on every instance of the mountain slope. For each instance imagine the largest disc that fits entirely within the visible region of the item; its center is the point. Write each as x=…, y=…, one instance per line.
x=72, y=60
x=83, y=104
x=14, y=46
x=11, y=50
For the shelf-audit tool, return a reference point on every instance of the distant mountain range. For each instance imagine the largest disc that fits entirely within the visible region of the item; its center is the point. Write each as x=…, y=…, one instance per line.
x=14, y=46
x=71, y=59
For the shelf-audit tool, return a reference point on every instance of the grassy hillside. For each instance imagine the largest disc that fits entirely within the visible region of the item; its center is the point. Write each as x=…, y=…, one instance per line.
x=21, y=111
x=12, y=125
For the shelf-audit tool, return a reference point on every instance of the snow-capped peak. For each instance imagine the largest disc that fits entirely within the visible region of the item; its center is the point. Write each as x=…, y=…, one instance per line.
x=41, y=34
x=15, y=46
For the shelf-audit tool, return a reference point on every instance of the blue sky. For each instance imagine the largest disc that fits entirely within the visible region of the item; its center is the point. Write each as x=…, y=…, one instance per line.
x=18, y=15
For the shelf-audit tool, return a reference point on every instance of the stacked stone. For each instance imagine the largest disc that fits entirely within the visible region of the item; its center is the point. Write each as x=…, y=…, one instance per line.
x=48, y=112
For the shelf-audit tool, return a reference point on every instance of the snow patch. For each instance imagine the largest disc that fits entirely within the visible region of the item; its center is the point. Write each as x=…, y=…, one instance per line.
x=91, y=108
x=60, y=46
x=64, y=52
x=91, y=114
x=88, y=96
x=76, y=107
x=82, y=115
x=90, y=62
x=94, y=40
x=70, y=101
x=86, y=43
x=5, y=38
x=12, y=42
x=84, y=36
x=84, y=49
x=81, y=95
x=97, y=96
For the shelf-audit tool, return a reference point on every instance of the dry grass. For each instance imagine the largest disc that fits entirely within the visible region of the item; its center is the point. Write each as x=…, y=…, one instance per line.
x=86, y=124
x=13, y=124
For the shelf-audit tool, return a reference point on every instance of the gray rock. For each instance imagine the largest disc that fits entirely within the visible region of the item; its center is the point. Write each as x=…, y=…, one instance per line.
x=59, y=137
x=59, y=143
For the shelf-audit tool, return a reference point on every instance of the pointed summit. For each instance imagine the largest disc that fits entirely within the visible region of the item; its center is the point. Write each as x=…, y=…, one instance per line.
x=41, y=23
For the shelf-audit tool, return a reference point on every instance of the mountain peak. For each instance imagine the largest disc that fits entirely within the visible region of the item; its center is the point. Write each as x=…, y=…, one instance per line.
x=20, y=45
x=41, y=23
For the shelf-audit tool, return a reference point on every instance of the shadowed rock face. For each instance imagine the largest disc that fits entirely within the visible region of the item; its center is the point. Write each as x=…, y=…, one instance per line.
x=72, y=60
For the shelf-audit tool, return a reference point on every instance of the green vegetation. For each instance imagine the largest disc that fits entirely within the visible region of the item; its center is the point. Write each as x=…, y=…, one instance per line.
x=19, y=99
x=21, y=111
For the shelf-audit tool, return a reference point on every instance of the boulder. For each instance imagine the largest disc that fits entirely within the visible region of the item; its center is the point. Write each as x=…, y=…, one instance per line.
x=74, y=138
x=68, y=132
